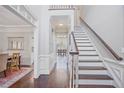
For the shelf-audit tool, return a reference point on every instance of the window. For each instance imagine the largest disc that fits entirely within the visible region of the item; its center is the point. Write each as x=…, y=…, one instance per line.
x=15, y=43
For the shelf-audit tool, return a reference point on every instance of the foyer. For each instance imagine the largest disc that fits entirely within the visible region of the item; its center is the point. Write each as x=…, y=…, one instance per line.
x=58, y=78
x=67, y=46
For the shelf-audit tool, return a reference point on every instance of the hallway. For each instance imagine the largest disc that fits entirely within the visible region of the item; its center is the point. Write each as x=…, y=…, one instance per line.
x=43, y=35
x=57, y=79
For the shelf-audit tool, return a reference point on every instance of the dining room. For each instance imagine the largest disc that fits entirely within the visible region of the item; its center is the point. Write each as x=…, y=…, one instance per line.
x=16, y=53
x=16, y=48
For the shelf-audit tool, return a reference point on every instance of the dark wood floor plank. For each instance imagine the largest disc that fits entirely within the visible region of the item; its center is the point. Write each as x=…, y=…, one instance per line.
x=57, y=79
x=96, y=86
x=95, y=77
x=25, y=82
x=91, y=68
x=90, y=60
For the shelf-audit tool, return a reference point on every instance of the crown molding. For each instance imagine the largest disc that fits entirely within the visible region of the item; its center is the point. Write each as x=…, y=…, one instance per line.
x=16, y=26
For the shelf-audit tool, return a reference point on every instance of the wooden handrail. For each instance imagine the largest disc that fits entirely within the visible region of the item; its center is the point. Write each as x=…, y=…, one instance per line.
x=104, y=43
x=74, y=52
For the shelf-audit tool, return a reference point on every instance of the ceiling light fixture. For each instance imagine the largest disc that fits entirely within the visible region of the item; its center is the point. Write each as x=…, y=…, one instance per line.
x=60, y=24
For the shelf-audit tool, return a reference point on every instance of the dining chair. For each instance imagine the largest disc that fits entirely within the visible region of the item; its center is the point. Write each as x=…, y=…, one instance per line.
x=3, y=63
x=15, y=60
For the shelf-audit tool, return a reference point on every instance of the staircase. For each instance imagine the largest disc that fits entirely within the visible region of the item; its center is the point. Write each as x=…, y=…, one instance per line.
x=91, y=70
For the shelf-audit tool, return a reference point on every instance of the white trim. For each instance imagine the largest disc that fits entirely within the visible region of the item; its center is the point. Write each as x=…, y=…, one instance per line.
x=36, y=59
x=96, y=82
x=117, y=71
x=17, y=29
x=15, y=26
x=44, y=64
x=17, y=12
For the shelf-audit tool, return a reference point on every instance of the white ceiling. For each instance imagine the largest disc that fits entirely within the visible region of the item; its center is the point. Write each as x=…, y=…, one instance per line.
x=7, y=18
x=56, y=20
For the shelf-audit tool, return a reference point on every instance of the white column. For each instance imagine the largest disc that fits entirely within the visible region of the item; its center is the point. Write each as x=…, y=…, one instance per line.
x=76, y=16
x=72, y=22
x=36, y=49
x=44, y=41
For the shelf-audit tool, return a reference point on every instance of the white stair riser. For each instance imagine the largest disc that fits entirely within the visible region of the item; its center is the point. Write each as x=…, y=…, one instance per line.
x=91, y=64
x=82, y=35
x=82, y=41
x=84, y=44
x=78, y=31
x=96, y=82
x=88, y=52
x=79, y=34
x=89, y=58
x=86, y=48
x=91, y=72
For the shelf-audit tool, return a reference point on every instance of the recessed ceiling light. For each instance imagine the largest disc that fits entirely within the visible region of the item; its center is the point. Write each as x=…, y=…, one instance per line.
x=60, y=24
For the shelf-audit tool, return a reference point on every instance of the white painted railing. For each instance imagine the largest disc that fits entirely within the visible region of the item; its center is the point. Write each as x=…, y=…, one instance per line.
x=61, y=7
x=116, y=69
x=23, y=11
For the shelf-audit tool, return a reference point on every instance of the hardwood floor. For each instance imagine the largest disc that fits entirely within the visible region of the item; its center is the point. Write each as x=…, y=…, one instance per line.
x=26, y=82
x=57, y=79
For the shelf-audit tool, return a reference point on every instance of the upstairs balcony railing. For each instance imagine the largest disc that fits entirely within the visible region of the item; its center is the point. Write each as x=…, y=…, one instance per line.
x=61, y=7
x=23, y=12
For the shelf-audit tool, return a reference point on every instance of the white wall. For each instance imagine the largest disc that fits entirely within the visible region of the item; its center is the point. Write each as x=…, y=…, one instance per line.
x=46, y=60
x=0, y=44
x=108, y=22
x=27, y=52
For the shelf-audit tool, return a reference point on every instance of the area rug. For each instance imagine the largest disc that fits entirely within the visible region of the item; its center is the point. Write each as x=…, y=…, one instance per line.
x=13, y=77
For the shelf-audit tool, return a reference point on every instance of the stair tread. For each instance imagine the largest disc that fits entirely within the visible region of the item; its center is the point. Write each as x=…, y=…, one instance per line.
x=88, y=55
x=82, y=42
x=84, y=46
x=81, y=35
x=76, y=34
x=82, y=39
x=95, y=86
x=90, y=60
x=86, y=50
x=91, y=68
x=95, y=77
